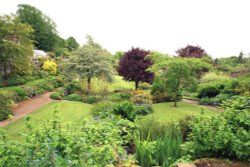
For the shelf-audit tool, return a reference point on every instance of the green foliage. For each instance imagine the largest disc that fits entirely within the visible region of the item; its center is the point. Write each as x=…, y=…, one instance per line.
x=5, y=109
x=74, y=97
x=92, y=99
x=16, y=80
x=144, y=109
x=73, y=87
x=141, y=98
x=44, y=28
x=225, y=135
x=214, y=77
x=97, y=143
x=56, y=96
x=126, y=109
x=72, y=44
x=209, y=90
x=157, y=143
x=16, y=47
x=103, y=109
x=90, y=61
x=237, y=103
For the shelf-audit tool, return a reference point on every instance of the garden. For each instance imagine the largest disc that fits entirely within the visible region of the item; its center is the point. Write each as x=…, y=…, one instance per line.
x=128, y=109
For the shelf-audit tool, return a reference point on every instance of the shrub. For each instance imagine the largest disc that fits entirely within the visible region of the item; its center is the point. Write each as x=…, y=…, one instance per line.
x=73, y=87
x=225, y=135
x=157, y=86
x=5, y=109
x=16, y=80
x=30, y=91
x=92, y=99
x=142, y=98
x=56, y=96
x=118, y=97
x=40, y=91
x=144, y=109
x=209, y=90
x=50, y=67
x=214, y=77
x=144, y=86
x=126, y=110
x=103, y=109
x=74, y=97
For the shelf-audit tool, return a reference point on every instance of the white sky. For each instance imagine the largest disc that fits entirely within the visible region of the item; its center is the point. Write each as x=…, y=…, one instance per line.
x=221, y=27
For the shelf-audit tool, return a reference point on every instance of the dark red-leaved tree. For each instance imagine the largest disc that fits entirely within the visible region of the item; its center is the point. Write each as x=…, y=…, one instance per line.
x=133, y=66
x=191, y=52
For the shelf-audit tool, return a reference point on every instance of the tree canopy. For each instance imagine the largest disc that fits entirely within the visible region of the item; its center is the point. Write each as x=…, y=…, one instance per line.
x=45, y=35
x=90, y=61
x=191, y=52
x=16, y=47
x=72, y=44
x=133, y=66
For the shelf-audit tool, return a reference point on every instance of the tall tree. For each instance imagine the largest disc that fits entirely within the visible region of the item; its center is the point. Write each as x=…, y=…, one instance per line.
x=191, y=52
x=72, y=44
x=133, y=66
x=90, y=61
x=45, y=34
x=16, y=46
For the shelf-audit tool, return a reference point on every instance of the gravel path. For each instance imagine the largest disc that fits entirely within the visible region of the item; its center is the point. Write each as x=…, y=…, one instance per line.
x=28, y=106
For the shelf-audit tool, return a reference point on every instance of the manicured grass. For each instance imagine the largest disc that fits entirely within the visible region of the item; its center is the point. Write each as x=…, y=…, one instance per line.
x=167, y=112
x=72, y=113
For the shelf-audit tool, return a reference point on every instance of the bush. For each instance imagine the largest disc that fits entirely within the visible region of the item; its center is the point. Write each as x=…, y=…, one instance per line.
x=144, y=109
x=225, y=135
x=209, y=90
x=126, y=110
x=74, y=97
x=73, y=87
x=5, y=109
x=157, y=86
x=30, y=91
x=142, y=98
x=103, y=109
x=144, y=86
x=92, y=99
x=118, y=97
x=16, y=80
x=56, y=96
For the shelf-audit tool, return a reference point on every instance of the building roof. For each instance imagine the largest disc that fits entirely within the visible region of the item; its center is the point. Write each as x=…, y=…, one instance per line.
x=40, y=53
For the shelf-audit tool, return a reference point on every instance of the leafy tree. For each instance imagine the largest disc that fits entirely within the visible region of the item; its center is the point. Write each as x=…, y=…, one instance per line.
x=240, y=58
x=178, y=75
x=16, y=47
x=72, y=44
x=133, y=66
x=49, y=66
x=45, y=34
x=191, y=51
x=90, y=61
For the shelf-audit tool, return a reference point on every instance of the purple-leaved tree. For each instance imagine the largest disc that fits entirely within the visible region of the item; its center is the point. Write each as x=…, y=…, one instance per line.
x=133, y=66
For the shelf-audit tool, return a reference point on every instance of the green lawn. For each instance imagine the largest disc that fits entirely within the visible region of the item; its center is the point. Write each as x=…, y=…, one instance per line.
x=167, y=112
x=72, y=113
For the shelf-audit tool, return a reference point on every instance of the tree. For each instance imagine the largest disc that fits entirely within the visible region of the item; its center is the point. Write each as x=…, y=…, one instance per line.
x=16, y=47
x=178, y=75
x=90, y=61
x=191, y=52
x=240, y=58
x=45, y=34
x=72, y=44
x=133, y=66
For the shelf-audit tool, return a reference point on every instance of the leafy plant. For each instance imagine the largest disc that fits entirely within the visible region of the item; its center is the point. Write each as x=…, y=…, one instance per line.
x=74, y=97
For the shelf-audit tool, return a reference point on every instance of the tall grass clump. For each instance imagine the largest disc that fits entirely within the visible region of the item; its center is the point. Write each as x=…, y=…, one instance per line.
x=157, y=143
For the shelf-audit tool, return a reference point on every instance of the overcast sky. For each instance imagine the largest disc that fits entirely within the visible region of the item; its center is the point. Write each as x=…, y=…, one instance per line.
x=221, y=27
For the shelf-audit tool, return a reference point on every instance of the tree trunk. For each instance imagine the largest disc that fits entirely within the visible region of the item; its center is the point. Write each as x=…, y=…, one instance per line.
x=175, y=99
x=89, y=86
x=136, y=85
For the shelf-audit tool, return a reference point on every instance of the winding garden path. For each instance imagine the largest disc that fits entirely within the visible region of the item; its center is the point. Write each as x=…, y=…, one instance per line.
x=197, y=103
x=28, y=106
